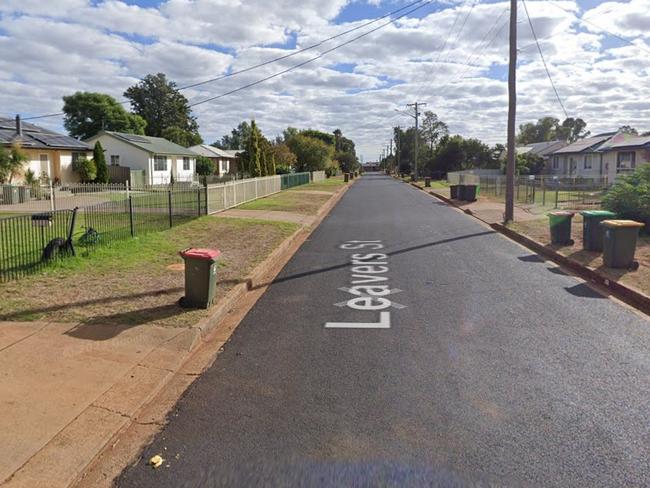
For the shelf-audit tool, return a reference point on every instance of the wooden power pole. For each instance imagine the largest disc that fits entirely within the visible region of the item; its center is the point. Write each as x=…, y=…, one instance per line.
x=512, y=113
x=417, y=132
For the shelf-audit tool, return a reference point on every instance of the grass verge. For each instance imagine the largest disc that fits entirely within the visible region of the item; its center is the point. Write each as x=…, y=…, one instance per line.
x=140, y=280
x=329, y=184
x=640, y=279
x=289, y=201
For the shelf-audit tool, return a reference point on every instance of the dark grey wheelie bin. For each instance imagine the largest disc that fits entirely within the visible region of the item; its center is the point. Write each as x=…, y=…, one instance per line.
x=619, y=243
x=200, y=277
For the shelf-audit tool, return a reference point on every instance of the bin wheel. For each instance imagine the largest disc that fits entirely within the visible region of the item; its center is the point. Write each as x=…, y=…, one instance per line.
x=571, y=242
x=634, y=266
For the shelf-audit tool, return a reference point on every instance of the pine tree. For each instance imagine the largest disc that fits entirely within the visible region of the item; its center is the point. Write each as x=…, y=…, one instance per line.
x=254, y=155
x=100, y=163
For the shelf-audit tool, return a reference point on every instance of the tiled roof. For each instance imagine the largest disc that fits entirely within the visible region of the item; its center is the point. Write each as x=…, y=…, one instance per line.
x=35, y=137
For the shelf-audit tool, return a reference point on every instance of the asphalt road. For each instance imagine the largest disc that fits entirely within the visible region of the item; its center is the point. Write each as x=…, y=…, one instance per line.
x=495, y=368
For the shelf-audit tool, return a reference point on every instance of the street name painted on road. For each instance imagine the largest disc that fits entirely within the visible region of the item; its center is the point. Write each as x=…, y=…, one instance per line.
x=369, y=285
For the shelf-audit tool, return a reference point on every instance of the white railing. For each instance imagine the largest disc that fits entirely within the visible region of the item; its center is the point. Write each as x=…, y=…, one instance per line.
x=317, y=176
x=233, y=193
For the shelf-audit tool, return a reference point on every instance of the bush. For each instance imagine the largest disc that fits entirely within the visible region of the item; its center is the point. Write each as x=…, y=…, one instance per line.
x=86, y=169
x=204, y=166
x=282, y=169
x=629, y=197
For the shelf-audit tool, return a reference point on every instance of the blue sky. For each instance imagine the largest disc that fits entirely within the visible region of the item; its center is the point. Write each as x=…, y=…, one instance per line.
x=56, y=48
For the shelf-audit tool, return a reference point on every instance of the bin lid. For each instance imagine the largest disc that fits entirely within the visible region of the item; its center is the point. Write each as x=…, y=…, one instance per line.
x=199, y=253
x=621, y=223
x=561, y=213
x=597, y=213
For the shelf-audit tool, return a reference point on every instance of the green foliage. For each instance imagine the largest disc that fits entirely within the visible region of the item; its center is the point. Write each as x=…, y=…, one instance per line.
x=237, y=138
x=86, y=113
x=550, y=129
x=182, y=137
x=30, y=178
x=328, y=139
x=529, y=164
x=283, y=155
x=251, y=158
x=312, y=154
x=86, y=169
x=11, y=163
x=159, y=102
x=100, y=164
x=629, y=197
x=204, y=166
x=433, y=129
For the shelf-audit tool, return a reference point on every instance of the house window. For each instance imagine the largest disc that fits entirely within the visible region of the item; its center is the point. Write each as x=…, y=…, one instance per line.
x=45, y=164
x=588, y=161
x=186, y=163
x=115, y=159
x=625, y=162
x=224, y=166
x=556, y=162
x=159, y=163
x=77, y=156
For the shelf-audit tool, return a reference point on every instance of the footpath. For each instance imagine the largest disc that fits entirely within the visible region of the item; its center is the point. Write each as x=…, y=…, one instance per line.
x=65, y=396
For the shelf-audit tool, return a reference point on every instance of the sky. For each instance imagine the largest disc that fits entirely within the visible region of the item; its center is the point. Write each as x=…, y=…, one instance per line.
x=450, y=54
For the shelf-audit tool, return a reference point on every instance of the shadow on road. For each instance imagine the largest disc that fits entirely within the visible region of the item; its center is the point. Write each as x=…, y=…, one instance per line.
x=584, y=291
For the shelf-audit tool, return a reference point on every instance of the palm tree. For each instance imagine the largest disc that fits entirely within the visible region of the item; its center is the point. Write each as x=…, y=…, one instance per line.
x=11, y=163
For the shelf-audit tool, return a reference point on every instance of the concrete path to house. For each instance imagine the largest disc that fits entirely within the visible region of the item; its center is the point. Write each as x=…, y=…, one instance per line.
x=480, y=364
x=274, y=215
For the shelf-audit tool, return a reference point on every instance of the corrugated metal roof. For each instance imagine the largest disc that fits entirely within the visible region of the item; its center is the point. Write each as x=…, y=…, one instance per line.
x=541, y=148
x=35, y=137
x=214, y=152
x=587, y=144
x=153, y=145
x=624, y=140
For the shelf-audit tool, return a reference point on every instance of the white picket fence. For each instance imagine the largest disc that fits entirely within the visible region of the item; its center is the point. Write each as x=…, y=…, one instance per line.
x=232, y=193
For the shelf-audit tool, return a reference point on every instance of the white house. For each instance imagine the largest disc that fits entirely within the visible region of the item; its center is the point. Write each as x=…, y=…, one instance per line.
x=225, y=161
x=581, y=158
x=158, y=157
x=623, y=153
x=50, y=154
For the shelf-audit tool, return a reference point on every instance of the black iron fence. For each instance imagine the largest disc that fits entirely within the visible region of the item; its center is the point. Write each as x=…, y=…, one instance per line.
x=29, y=242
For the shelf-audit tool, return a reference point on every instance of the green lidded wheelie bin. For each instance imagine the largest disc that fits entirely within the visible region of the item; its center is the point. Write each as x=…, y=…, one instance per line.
x=619, y=243
x=560, y=223
x=469, y=193
x=592, y=231
x=200, y=277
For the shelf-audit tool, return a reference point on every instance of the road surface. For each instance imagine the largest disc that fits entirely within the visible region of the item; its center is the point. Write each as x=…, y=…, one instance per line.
x=408, y=344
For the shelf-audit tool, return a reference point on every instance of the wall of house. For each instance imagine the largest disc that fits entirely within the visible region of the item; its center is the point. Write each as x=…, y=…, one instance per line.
x=610, y=160
x=130, y=156
x=179, y=173
x=578, y=159
x=58, y=167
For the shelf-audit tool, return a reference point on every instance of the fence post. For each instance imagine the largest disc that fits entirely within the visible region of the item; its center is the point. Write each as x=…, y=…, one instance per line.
x=169, y=198
x=256, y=189
x=132, y=227
x=52, y=202
x=127, y=189
x=225, y=197
x=198, y=195
x=557, y=192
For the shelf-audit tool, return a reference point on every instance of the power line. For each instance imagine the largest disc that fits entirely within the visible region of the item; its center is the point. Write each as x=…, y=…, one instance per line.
x=299, y=65
x=585, y=21
x=270, y=61
x=541, y=54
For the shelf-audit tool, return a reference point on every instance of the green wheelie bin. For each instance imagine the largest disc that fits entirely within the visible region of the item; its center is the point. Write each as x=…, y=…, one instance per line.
x=200, y=277
x=560, y=223
x=619, y=243
x=453, y=191
x=469, y=193
x=592, y=231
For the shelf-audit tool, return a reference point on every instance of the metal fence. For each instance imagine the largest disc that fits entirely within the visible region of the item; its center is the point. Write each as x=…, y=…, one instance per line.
x=317, y=176
x=541, y=190
x=29, y=242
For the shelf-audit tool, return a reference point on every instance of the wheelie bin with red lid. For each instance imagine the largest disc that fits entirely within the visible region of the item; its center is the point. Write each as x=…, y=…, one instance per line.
x=200, y=277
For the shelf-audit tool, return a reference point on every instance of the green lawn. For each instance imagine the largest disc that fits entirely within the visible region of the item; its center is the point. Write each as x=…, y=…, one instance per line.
x=329, y=184
x=302, y=203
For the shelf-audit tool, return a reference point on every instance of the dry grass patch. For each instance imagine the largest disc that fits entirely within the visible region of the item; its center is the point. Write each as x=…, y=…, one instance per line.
x=289, y=201
x=135, y=282
x=639, y=279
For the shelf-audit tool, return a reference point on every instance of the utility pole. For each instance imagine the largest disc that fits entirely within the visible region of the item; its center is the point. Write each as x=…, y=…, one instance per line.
x=512, y=113
x=417, y=131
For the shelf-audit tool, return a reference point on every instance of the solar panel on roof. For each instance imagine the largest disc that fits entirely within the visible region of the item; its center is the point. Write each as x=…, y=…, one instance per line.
x=57, y=140
x=134, y=138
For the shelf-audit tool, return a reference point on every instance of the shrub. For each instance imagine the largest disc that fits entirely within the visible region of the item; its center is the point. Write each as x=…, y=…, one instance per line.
x=86, y=169
x=204, y=166
x=100, y=164
x=629, y=197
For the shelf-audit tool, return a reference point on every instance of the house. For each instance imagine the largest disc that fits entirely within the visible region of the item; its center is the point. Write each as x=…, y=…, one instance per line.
x=581, y=158
x=623, y=153
x=159, y=158
x=225, y=161
x=542, y=149
x=50, y=154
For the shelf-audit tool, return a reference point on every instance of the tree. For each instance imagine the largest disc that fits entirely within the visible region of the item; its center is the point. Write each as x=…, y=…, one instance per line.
x=543, y=130
x=11, y=163
x=251, y=158
x=182, y=137
x=159, y=102
x=433, y=129
x=572, y=129
x=86, y=113
x=283, y=155
x=629, y=197
x=450, y=154
x=100, y=164
x=237, y=138
x=328, y=139
x=529, y=164
x=626, y=129
x=204, y=166
x=312, y=154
